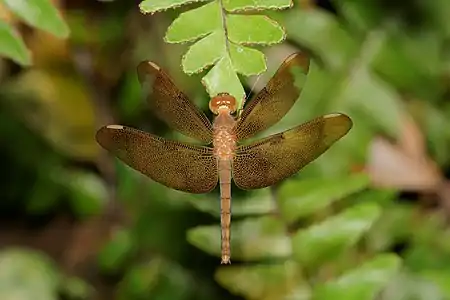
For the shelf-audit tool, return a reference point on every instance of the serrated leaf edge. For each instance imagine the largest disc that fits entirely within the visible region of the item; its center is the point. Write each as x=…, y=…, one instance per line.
x=173, y=6
x=253, y=9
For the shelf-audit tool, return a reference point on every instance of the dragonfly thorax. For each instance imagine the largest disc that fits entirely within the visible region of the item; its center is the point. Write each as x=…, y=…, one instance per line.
x=224, y=139
x=224, y=144
x=222, y=101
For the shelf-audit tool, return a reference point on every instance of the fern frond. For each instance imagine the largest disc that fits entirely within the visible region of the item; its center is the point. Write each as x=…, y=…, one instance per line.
x=221, y=39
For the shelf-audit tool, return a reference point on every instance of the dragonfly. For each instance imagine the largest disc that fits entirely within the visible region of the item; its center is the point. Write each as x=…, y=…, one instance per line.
x=223, y=154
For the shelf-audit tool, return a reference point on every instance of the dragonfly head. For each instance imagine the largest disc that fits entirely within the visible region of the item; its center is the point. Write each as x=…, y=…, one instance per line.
x=222, y=101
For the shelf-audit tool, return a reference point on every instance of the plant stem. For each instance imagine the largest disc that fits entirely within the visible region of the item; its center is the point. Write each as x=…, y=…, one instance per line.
x=224, y=26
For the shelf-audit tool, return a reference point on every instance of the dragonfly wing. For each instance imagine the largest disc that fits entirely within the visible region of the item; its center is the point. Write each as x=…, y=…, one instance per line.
x=270, y=160
x=181, y=166
x=171, y=105
x=272, y=103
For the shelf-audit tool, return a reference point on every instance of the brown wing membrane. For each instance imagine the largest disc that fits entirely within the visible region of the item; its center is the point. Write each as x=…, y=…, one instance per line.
x=180, y=166
x=171, y=105
x=266, y=162
x=273, y=102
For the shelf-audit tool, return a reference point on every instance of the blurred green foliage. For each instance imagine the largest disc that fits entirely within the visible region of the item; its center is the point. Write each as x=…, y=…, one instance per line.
x=37, y=13
x=367, y=220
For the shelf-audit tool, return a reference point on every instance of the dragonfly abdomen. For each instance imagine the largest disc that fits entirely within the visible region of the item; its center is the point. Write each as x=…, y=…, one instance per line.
x=225, y=208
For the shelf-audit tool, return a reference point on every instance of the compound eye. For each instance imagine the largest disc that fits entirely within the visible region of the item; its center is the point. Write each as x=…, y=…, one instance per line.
x=222, y=100
x=214, y=105
x=231, y=103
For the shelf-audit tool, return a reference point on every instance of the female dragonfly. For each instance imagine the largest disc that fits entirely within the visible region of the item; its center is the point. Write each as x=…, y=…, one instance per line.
x=194, y=168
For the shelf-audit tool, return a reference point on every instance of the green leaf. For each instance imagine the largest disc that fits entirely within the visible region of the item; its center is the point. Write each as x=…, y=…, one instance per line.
x=113, y=255
x=436, y=127
x=250, y=5
x=141, y=279
x=439, y=277
x=254, y=29
x=380, y=100
x=362, y=16
x=251, y=239
x=247, y=61
x=299, y=198
x=276, y=281
x=394, y=225
x=76, y=288
x=12, y=45
x=401, y=62
x=88, y=194
x=195, y=24
x=152, y=6
x=318, y=31
x=26, y=274
x=408, y=285
x=158, y=277
x=204, y=53
x=40, y=14
x=46, y=192
x=362, y=283
x=223, y=38
x=330, y=238
x=223, y=78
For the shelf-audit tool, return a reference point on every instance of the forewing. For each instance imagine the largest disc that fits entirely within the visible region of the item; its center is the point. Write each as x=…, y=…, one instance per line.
x=180, y=166
x=266, y=162
x=171, y=105
x=272, y=103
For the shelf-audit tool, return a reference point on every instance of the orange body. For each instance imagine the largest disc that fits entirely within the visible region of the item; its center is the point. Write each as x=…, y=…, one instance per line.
x=224, y=145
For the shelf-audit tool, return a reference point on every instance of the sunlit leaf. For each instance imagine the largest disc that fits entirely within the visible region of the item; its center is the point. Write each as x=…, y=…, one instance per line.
x=26, y=274
x=298, y=198
x=254, y=29
x=249, y=5
x=251, y=239
x=362, y=283
x=328, y=239
x=195, y=23
x=12, y=45
x=152, y=6
x=256, y=202
x=41, y=14
x=247, y=61
x=275, y=281
x=223, y=36
x=204, y=53
x=222, y=78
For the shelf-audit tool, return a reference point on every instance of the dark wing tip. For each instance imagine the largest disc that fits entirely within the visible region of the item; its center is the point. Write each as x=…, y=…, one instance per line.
x=298, y=58
x=104, y=135
x=337, y=125
x=147, y=68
